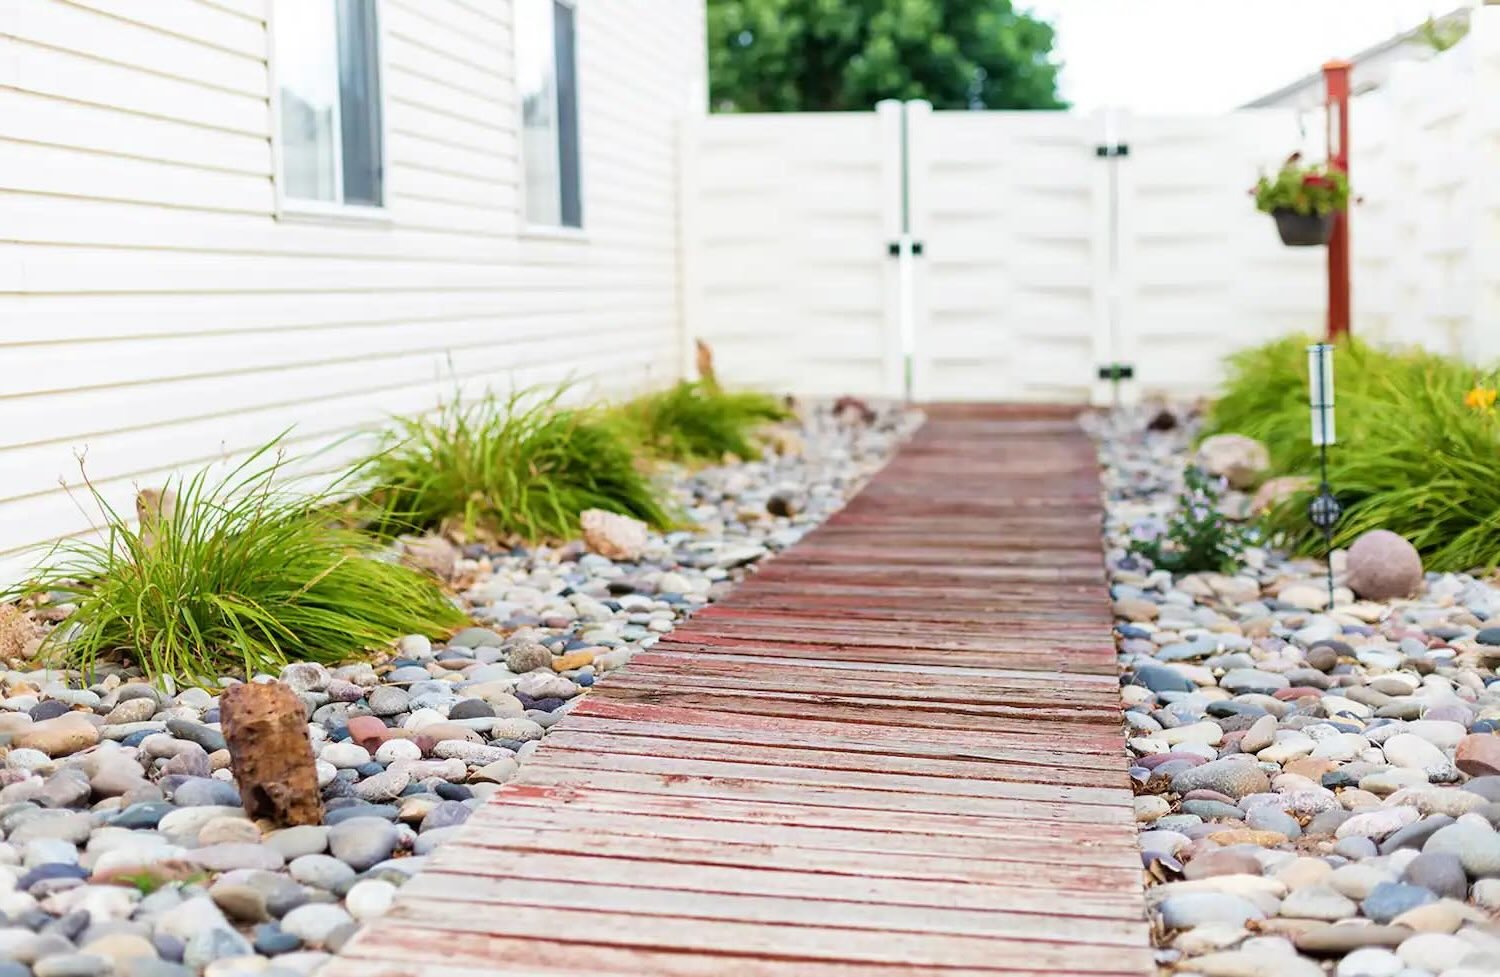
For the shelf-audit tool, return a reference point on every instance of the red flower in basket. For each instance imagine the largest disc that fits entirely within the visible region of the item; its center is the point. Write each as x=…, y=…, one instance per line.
x=1316, y=180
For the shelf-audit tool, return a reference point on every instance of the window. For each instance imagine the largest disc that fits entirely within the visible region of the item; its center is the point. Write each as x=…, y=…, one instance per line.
x=327, y=65
x=548, y=77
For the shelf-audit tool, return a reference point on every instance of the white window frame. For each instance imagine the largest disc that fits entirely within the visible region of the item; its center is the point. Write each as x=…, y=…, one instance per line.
x=529, y=228
x=301, y=208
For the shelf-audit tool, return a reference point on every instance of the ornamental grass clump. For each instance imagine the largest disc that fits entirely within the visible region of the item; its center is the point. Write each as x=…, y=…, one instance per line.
x=698, y=421
x=230, y=577
x=520, y=468
x=1421, y=464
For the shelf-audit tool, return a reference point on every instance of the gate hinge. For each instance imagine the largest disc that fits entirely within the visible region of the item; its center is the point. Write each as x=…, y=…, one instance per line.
x=894, y=249
x=1117, y=371
x=1106, y=150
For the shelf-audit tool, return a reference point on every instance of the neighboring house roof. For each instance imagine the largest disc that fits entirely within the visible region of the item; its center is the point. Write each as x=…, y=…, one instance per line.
x=1370, y=65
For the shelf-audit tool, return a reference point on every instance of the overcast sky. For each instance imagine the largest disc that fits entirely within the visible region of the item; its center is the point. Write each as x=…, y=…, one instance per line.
x=1210, y=55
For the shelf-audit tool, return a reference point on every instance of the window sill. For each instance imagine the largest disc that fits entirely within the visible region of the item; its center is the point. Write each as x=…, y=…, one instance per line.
x=312, y=212
x=553, y=232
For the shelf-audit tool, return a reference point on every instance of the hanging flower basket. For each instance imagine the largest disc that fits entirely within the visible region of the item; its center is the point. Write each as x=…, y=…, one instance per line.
x=1303, y=200
x=1303, y=230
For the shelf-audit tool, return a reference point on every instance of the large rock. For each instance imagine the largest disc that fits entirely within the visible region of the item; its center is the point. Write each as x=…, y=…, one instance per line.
x=613, y=536
x=1382, y=565
x=265, y=727
x=1241, y=461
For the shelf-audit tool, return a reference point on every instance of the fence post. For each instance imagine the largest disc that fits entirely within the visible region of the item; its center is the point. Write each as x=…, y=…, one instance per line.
x=1336, y=87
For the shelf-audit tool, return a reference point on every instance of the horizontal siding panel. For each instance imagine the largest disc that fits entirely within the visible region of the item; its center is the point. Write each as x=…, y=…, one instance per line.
x=65, y=318
x=87, y=222
x=68, y=75
x=452, y=32
x=496, y=165
x=69, y=367
x=201, y=440
x=255, y=10
x=64, y=25
x=491, y=73
x=192, y=19
x=48, y=169
x=57, y=122
x=420, y=93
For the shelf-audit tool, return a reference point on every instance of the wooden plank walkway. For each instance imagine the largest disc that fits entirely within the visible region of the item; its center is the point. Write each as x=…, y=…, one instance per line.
x=894, y=750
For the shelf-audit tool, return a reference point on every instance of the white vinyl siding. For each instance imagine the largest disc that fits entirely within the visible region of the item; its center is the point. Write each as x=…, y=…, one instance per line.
x=157, y=315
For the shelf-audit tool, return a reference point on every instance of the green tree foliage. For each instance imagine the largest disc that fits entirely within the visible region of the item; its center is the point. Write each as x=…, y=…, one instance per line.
x=837, y=55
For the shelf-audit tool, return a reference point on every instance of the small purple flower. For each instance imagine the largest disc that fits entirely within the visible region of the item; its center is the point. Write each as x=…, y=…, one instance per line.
x=1147, y=529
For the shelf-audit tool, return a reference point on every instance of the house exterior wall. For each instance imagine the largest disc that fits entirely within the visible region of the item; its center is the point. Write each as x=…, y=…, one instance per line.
x=156, y=313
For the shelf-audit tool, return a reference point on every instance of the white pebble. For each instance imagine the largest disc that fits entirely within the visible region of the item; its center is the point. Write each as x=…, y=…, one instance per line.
x=345, y=755
x=415, y=646
x=369, y=899
x=326, y=772
x=398, y=749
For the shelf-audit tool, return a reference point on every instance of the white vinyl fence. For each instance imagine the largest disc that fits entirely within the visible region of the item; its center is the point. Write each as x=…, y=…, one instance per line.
x=1426, y=233
x=1016, y=255
x=1006, y=255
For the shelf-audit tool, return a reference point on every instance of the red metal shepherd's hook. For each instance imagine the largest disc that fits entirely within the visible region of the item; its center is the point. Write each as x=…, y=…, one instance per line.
x=1336, y=85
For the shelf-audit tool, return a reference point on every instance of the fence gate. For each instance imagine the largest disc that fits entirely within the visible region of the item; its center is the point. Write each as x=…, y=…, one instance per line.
x=987, y=255
x=787, y=220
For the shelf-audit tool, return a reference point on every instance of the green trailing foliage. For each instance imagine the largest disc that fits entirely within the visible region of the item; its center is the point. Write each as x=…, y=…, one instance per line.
x=517, y=468
x=236, y=576
x=698, y=421
x=1196, y=537
x=1417, y=454
x=1311, y=189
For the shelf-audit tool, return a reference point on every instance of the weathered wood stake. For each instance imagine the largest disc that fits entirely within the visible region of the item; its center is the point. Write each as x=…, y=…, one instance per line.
x=265, y=726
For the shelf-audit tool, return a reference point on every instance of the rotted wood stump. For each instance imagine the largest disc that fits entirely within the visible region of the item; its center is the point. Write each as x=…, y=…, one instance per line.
x=265, y=727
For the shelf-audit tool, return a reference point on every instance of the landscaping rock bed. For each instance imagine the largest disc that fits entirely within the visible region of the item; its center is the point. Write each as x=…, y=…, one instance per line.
x=1318, y=789
x=124, y=848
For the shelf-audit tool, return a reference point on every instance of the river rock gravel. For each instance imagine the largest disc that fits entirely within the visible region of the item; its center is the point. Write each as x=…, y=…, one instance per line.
x=1316, y=784
x=123, y=846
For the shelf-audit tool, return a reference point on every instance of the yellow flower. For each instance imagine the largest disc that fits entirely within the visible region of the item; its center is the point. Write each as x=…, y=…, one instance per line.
x=1481, y=399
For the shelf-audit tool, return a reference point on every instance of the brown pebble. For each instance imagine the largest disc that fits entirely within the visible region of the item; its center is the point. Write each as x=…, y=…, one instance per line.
x=1248, y=836
x=1337, y=939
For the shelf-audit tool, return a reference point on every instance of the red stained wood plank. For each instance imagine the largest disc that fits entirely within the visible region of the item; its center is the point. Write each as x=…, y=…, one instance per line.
x=410, y=950
x=738, y=938
x=442, y=886
x=1089, y=752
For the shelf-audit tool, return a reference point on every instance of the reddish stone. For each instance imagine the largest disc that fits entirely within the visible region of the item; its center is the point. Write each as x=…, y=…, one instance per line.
x=265, y=726
x=1297, y=692
x=368, y=731
x=1221, y=862
x=1478, y=755
x=1204, y=794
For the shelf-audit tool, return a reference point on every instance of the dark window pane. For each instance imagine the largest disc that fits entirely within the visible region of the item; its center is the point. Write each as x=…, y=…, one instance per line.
x=567, y=115
x=359, y=102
